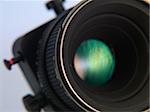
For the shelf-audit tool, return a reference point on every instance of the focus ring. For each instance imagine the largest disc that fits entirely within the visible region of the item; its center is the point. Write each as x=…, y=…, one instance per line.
x=44, y=82
x=46, y=87
x=51, y=69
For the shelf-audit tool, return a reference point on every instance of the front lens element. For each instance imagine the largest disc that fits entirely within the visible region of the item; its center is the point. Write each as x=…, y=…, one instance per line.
x=94, y=62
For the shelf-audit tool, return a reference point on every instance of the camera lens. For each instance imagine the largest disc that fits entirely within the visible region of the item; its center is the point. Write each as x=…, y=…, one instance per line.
x=94, y=57
x=94, y=62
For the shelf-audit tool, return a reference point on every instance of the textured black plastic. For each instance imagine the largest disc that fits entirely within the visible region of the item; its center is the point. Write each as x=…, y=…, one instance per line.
x=51, y=70
x=47, y=73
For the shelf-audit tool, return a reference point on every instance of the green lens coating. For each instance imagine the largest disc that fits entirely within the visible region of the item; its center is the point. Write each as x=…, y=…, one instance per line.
x=94, y=62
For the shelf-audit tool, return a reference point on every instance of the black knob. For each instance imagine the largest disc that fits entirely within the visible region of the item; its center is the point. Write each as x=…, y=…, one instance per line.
x=9, y=63
x=34, y=103
x=56, y=5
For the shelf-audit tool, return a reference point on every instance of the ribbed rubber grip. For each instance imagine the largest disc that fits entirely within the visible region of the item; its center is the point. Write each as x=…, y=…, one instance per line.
x=51, y=70
x=46, y=67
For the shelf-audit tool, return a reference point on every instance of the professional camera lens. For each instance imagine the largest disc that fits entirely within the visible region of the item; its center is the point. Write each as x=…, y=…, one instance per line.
x=93, y=57
x=94, y=62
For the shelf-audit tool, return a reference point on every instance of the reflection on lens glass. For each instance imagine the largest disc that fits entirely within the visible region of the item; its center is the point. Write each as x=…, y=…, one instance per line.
x=94, y=62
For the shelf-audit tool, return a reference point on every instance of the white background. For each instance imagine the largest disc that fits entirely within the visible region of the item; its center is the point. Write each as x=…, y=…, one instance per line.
x=17, y=17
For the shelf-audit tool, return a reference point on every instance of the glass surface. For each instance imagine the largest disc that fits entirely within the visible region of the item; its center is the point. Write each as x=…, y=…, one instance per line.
x=94, y=62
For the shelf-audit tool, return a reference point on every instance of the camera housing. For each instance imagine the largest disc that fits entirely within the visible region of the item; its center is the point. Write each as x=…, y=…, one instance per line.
x=47, y=57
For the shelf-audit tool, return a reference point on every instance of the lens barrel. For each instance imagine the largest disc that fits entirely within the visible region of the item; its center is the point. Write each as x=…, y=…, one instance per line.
x=95, y=57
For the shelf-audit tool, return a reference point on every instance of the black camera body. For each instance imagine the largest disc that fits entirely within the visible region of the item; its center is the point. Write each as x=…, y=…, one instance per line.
x=46, y=54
